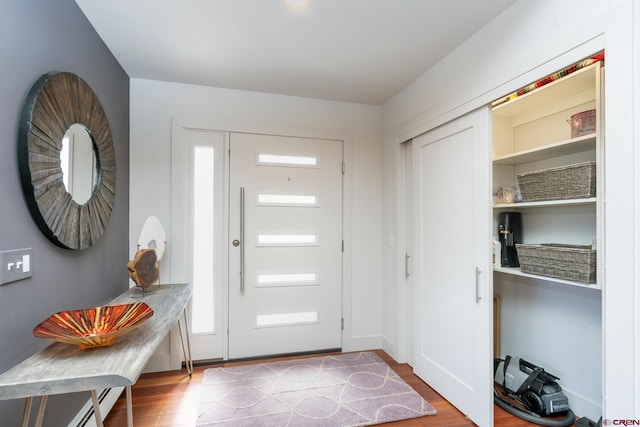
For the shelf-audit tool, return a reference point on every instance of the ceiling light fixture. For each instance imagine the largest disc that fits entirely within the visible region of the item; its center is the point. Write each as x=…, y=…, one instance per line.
x=297, y=3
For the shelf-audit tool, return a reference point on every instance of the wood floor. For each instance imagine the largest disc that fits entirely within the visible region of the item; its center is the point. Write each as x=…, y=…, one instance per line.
x=170, y=399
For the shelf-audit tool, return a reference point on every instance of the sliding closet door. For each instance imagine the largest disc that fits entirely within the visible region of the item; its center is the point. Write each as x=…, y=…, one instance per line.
x=452, y=235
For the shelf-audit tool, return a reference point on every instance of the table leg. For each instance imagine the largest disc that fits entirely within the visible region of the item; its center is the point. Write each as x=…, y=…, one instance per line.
x=27, y=411
x=186, y=353
x=96, y=408
x=129, y=407
x=43, y=405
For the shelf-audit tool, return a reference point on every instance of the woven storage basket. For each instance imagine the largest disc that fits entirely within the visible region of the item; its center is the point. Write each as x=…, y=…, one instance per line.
x=568, y=262
x=576, y=181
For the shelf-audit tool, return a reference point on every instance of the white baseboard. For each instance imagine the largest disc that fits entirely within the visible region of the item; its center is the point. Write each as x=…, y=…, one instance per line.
x=582, y=406
x=391, y=349
x=107, y=398
x=363, y=343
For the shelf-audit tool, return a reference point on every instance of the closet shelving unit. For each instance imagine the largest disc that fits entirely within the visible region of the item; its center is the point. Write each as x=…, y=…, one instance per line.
x=531, y=133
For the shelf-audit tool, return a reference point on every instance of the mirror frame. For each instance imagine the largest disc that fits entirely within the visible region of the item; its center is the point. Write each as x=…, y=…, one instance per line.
x=55, y=102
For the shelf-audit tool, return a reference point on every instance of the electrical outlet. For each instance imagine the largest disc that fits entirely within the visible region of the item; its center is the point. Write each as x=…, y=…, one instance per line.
x=15, y=264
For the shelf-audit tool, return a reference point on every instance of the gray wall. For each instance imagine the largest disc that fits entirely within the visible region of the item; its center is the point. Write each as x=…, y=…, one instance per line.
x=36, y=37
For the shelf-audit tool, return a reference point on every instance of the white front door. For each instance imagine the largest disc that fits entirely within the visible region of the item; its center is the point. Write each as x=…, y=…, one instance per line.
x=451, y=264
x=285, y=245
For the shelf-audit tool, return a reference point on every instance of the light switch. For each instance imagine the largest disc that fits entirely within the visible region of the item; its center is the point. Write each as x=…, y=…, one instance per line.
x=15, y=265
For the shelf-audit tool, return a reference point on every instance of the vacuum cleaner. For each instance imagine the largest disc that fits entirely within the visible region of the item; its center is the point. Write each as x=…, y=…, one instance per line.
x=531, y=393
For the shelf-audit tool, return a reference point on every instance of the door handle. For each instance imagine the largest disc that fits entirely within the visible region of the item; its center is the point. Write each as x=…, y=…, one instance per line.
x=478, y=297
x=406, y=266
x=242, y=240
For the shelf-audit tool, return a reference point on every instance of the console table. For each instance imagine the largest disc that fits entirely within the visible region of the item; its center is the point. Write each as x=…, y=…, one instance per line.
x=64, y=368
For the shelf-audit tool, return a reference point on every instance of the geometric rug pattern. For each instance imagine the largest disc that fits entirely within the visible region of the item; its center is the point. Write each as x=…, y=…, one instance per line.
x=354, y=389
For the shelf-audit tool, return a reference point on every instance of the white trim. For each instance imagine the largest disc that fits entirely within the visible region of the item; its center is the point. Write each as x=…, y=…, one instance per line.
x=390, y=347
x=401, y=348
x=364, y=342
x=85, y=417
x=635, y=136
x=577, y=400
x=347, y=252
x=621, y=384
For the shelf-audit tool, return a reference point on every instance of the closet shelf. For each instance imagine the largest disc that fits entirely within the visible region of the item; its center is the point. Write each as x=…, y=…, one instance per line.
x=544, y=204
x=579, y=81
x=560, y=148
x=515, y=271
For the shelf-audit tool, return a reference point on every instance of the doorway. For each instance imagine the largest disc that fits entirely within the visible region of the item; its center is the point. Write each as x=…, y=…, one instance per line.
x=264, y=225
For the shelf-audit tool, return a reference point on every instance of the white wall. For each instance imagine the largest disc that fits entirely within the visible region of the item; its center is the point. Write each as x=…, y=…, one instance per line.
x=153, y=106
x=528, y=41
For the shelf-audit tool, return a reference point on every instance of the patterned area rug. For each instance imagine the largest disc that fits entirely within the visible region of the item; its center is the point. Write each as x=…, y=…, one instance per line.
x=354, y=389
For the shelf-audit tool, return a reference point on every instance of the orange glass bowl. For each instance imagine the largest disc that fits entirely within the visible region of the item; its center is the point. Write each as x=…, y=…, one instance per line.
x=93, y=327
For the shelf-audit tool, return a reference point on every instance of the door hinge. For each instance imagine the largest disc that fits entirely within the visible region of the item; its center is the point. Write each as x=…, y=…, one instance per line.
x=343, y=246
x=342, y=324
x=343, y=168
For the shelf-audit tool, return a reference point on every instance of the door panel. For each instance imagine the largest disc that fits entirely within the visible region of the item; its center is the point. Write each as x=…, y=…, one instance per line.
x=288, y=230
x=452, y=225
x=204, y=236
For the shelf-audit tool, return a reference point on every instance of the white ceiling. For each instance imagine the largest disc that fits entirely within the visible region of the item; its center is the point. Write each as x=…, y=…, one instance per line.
x=362, y=51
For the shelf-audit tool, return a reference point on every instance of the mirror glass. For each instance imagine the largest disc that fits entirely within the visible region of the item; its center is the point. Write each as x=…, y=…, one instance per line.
x=79, y=164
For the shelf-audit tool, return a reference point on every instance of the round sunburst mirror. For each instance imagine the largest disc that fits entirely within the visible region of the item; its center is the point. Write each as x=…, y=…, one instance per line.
x=67, y=160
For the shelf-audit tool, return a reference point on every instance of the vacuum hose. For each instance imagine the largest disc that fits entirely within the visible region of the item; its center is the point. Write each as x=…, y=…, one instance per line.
x=566, y=421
